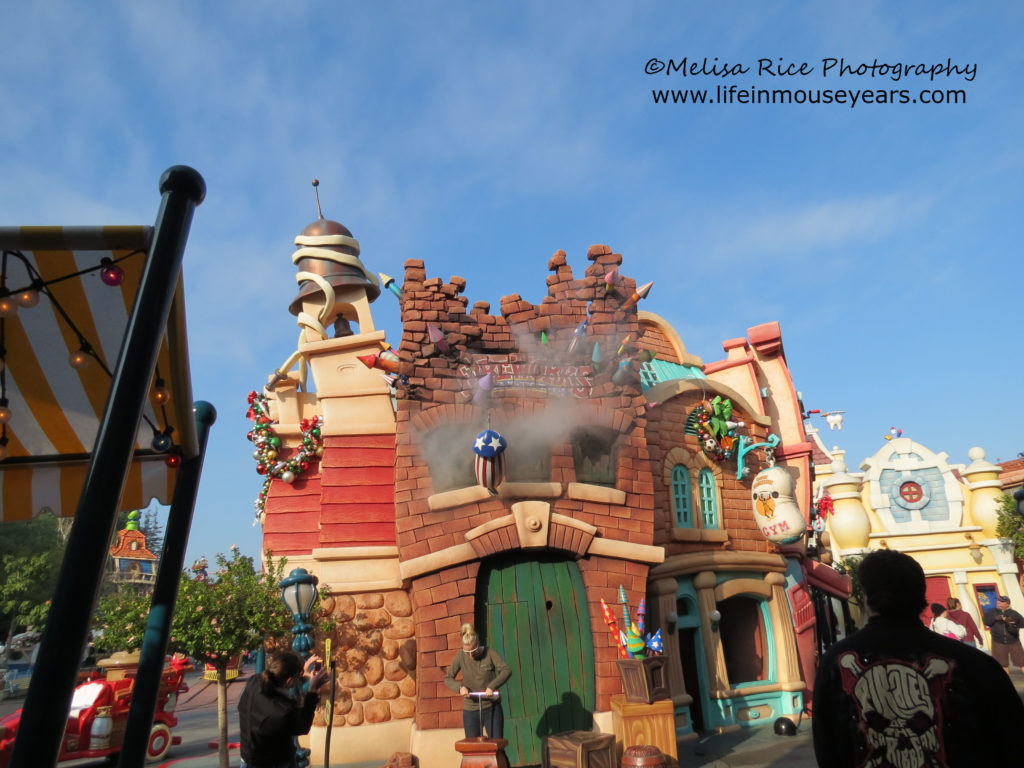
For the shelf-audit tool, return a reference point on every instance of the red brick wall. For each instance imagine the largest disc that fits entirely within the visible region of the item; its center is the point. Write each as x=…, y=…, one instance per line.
x=664, y=432
x=439, y=392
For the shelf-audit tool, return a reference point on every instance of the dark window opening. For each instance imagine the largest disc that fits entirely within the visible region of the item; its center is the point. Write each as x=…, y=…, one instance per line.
x=743, y=640
x=595, y=453
x=448, y=451
x=528, y=456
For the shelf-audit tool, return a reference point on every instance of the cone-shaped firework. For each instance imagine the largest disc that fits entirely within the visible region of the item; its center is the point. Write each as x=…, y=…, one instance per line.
x=641, y=613
x=389, y=282
x=625, y=341
x=624, y=602
x=639, y=293
x=438, y=339
x=489, y=448
x=654, y=645
x=543, y=337
x=385, y=360
x=483, y=390
x=609, y=281
x=635, y=644
x=595, y=357
x=623, y=372
x=613, y=627
x=577, y=337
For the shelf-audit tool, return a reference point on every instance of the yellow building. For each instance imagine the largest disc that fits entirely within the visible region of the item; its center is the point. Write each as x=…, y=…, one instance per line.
x=911, y=499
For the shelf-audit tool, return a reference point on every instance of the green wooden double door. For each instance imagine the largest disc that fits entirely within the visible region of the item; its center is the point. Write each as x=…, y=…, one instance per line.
x=534, y=614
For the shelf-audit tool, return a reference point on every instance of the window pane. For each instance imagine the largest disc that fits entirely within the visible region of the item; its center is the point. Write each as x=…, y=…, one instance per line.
x=681, y=496
x=708, y=498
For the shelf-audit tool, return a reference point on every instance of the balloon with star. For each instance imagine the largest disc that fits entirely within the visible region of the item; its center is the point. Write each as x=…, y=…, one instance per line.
x=489, y=465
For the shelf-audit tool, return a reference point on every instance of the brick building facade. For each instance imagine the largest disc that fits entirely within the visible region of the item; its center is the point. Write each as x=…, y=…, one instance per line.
x=603, y=484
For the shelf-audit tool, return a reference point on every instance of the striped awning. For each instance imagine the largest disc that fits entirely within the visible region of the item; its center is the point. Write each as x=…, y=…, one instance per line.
x=54, y=304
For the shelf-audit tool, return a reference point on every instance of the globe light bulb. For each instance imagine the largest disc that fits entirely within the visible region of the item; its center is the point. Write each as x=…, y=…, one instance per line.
x=173, y=460
x=112, y=275
x=27, y=298
x=8, y=307
x=162, y=442
x=5, y=414
x=162, y=395
x=78, y=359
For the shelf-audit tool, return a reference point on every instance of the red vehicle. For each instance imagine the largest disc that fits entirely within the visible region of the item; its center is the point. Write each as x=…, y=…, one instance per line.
x=99, y=712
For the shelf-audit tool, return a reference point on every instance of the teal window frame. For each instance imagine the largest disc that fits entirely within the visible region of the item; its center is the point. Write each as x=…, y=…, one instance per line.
x=708, y=498
x=682, y=501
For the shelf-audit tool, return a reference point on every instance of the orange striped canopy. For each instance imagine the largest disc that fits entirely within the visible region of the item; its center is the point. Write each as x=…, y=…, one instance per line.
x=55, y=408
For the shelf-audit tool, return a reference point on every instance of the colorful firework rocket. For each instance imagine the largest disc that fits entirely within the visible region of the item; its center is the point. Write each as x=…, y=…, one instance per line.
x=641, y=613
x=639, y=293
x=613, y=627
x=624, y=602
x=385, y=360
x=609, y=281
x=577, y=337
x=655, y=647
x=483, y=389
x=389, y=282
x=489, y=448
x=438, y=340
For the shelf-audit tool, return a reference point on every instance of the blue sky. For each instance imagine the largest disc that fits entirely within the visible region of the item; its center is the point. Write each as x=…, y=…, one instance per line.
x=484, y=137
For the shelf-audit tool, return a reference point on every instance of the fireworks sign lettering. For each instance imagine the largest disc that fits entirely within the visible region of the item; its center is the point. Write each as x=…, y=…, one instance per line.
x=555, y=380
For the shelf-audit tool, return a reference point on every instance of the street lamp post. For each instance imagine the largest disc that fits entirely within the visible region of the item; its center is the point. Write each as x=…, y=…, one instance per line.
x=298, y=593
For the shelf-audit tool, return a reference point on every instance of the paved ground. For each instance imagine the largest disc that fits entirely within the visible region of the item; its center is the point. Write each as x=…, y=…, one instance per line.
x=749, y=747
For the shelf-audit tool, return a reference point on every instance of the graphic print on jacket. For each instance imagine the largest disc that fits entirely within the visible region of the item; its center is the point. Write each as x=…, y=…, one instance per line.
x=901, y=705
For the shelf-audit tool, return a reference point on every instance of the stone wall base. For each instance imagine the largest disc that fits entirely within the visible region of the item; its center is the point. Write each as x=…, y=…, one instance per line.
x=377, y=741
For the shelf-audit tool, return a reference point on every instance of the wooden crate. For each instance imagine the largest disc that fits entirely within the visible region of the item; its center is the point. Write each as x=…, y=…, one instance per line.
x=579, y=749
x=643, y=680
x=638, y=724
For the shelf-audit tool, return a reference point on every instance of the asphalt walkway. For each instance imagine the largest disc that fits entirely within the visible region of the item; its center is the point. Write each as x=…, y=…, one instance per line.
x=749, y=747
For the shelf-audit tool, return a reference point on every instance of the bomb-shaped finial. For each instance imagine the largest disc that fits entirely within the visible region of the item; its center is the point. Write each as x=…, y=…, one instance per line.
x=775, y=510
x=328, y=250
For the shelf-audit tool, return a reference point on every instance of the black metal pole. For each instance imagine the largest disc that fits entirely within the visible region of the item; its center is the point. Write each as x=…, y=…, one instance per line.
x=165, y=594
x=45, y=713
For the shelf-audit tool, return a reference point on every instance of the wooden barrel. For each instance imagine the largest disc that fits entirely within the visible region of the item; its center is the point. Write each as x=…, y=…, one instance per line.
x=642, y=756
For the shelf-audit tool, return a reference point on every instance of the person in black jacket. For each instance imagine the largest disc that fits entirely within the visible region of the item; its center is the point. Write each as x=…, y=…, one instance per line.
x=897, y=694
x=270, y=715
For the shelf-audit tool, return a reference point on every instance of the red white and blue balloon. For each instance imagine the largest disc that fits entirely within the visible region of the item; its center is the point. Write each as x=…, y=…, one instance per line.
x=489, y=448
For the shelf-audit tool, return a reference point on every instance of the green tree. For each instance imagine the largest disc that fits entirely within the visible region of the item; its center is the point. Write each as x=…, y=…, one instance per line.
x=1011, y=525
x=217, y=618
x=30, y=557
x=150, y=525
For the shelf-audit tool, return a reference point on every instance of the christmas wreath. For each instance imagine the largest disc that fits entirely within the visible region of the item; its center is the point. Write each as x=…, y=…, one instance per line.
x=717, y=434
x=268, y=447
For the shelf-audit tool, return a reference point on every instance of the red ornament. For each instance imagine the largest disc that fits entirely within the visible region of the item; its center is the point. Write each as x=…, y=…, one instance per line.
x=111, y=274
x=173, y=460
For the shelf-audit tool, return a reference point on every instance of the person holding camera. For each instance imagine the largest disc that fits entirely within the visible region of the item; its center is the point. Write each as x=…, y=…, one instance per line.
x=1005, y=624
x=271, y=710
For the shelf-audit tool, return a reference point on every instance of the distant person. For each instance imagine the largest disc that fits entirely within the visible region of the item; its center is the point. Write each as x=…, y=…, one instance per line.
x=270, y=715
x=965, y=620
x=897, y=694
x=1005, y=624
x=483, y=672
x=944, y=625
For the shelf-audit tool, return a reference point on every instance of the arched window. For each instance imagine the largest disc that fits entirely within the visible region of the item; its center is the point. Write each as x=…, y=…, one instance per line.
x=708, y=498
x=681, y=496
